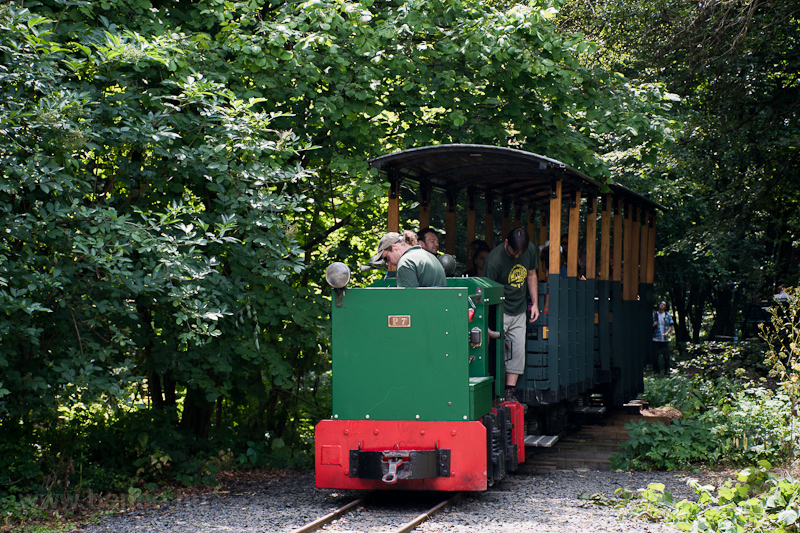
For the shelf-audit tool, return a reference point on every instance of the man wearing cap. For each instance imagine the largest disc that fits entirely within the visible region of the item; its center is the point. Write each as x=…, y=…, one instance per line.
x=415, y=266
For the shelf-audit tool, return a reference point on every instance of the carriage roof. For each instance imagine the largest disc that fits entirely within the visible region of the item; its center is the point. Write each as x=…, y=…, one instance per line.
x=503, y=172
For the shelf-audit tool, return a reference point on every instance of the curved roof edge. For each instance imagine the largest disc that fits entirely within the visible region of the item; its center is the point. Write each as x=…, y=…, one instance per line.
x=508, y=172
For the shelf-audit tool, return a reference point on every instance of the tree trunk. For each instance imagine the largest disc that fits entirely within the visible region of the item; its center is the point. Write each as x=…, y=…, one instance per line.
x=168, y=384
x=726, y=304
x=679, y=312
x=196, y=414
x=154, y=388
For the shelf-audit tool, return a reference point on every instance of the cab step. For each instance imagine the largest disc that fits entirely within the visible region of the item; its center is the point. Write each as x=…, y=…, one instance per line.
x=596, y=410
x=540, y=441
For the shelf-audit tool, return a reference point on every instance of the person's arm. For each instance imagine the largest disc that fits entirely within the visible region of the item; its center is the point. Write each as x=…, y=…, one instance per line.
x=533, y=289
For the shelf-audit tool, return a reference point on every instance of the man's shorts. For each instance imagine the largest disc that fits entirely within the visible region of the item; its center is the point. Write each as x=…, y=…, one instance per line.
x=515, y=330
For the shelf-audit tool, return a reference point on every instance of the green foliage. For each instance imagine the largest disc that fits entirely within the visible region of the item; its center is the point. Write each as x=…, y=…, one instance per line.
x=737, y=361
x=730, y=413
x=175, y=180
x=154, y=243
x=480, y=75
x=19, y=465
x=20, y=510
x=730, y=231
x=724, y=421
x=150, y=271
x=756, y=424
x=666, y=447
x=652, y=504
x=758, y=501
x=725, y=385
x=690, y=394
x=782, y=335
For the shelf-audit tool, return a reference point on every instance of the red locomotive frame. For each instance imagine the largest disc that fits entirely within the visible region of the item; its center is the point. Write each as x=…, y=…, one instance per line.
x=464, y=442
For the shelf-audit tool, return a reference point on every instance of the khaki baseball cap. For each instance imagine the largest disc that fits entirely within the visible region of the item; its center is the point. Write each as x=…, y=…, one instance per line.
x=386, y=242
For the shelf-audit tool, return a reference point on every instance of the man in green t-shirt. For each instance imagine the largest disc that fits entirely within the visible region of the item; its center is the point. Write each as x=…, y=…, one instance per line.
x=514, y=264
x=415, y=266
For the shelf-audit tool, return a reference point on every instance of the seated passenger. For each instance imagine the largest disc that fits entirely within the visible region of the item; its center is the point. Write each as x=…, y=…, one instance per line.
x=415, y=266
x=476, y=256
x=781, y=295
x=428, y=240
x=544, y=255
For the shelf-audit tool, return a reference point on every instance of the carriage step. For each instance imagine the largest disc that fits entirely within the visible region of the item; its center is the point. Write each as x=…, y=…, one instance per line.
x=590, y=410
x=540, y=441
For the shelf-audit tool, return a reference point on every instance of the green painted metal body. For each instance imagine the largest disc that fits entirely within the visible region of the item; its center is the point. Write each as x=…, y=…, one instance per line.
x=617, y=319
x=589, y=338
x=404, y=354
x=604, y=331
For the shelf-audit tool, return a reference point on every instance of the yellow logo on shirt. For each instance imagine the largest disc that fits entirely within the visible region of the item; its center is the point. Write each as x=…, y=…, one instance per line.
x=517, y=276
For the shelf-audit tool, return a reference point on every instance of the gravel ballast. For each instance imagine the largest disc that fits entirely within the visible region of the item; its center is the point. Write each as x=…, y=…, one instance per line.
x=533, y=500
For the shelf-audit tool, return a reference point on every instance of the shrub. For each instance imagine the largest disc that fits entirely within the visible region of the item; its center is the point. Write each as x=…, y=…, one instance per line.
x=690, y=394
x=755, y=425
x=725, y=422
x=673, y=447
x=742, y=361
x=758, y=501
x=782, y=335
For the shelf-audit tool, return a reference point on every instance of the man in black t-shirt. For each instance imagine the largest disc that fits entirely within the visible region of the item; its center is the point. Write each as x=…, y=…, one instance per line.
x=514, y=264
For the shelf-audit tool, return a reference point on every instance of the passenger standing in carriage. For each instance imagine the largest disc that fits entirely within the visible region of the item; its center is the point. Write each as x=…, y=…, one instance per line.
x=415, y=266
x=513, y=264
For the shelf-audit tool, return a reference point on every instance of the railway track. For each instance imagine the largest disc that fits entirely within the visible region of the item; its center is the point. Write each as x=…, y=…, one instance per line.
x=384, y=511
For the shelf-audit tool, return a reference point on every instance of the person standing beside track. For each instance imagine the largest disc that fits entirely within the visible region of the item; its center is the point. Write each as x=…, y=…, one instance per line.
x=662, y=328
x=513, y=264
x=415, y=266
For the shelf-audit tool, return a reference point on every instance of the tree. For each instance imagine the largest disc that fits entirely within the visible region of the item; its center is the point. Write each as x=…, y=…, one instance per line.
x=735, y=66
x=145, y=234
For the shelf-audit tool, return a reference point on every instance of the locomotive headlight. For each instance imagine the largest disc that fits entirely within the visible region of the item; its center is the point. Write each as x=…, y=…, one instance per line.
x=337, y=275
x=449, y=264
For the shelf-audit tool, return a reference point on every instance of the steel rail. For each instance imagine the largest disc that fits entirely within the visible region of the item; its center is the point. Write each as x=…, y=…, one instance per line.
x=429, y=514
x=406, y=528
x=327, y=519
